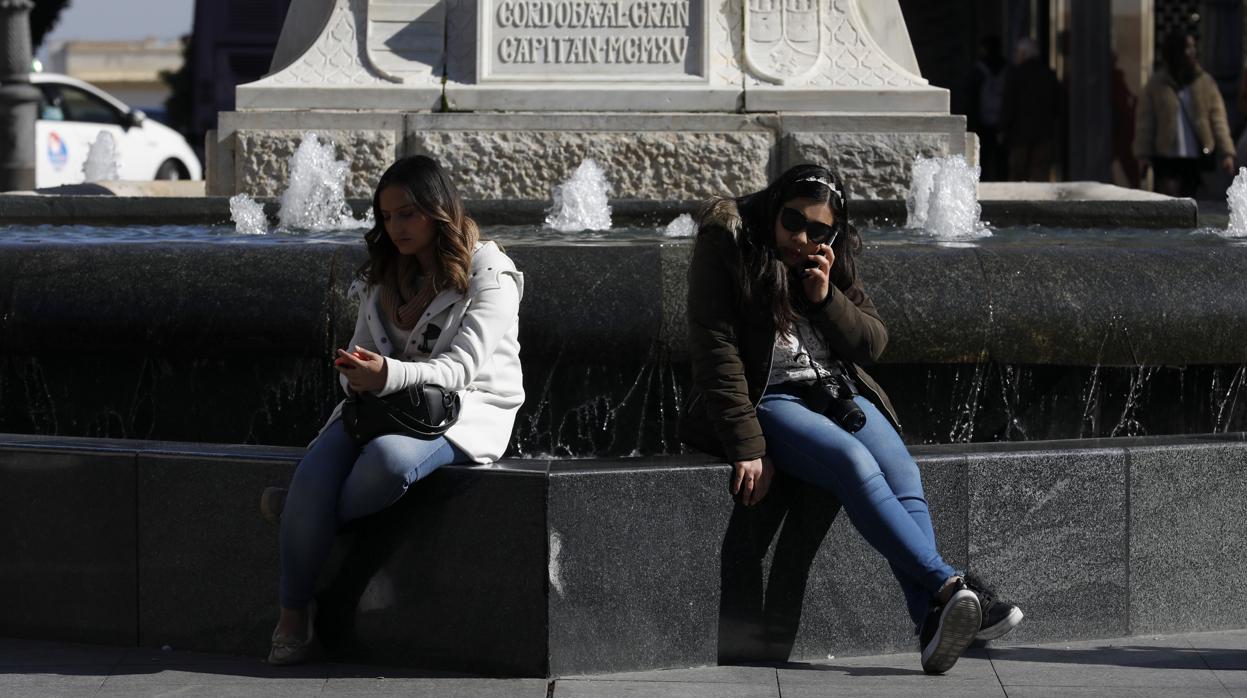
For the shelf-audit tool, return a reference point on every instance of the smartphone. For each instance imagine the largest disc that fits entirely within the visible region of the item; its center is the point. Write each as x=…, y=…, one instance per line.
x=343, y=362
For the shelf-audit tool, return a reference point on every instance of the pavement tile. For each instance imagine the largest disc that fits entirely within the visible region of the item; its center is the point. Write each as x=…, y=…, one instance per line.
x=1225, y=652
x=744, y=675
x=27, y=653
x=144, y=681
x=442, y=688
x=891, y=674
x=1112, y=692
x=1142, y=662
x=274, y=689
x=587, y=688
x=373, y=671
x=1232, y=680
x=52, y=680
x=150, y=656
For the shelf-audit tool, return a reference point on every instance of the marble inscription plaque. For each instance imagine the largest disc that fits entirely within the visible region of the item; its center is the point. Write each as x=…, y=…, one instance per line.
x=592, y=40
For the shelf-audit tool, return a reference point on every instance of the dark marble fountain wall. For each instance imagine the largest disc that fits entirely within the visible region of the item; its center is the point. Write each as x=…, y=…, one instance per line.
x=231, y=343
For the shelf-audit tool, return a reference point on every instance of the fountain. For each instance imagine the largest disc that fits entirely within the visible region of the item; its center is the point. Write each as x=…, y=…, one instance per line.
x=580, y=203
x=1057, y=384
x=248, y=215
x=315, y=201
x=101, y=162
x=1236, y=197
x=943, y=199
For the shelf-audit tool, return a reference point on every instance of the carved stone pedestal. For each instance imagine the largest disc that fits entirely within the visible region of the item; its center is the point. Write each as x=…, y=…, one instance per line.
x=678, y=99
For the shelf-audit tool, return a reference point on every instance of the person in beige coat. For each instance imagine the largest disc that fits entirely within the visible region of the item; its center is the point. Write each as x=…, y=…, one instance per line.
x=1181, y=123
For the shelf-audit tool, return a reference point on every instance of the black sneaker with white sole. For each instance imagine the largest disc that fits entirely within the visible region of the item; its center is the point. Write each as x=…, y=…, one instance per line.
x=949, y=629
x=999, y=617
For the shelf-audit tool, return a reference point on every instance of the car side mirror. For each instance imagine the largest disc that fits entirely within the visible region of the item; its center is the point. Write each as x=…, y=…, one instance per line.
x=134, y=118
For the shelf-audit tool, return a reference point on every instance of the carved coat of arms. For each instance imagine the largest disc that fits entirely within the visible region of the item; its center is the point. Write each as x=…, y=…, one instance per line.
x=783, y=38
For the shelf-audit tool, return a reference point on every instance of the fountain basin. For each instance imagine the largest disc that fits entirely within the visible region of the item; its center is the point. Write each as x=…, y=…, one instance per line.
x=1030, y=336
x=1066, y=204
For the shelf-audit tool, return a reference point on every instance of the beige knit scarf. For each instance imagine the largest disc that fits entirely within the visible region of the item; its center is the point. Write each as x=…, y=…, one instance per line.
x=405, y=296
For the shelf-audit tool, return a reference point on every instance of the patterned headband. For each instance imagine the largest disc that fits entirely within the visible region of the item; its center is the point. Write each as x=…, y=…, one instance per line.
x=825, y=183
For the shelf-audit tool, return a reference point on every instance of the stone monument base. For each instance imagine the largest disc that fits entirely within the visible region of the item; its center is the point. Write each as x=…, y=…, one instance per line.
x=661, y=156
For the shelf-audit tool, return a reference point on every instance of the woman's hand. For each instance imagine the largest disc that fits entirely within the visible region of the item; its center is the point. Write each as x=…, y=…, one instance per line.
x=364, y=370
x=815, y=278
x=1227, y=164
x=751, y=479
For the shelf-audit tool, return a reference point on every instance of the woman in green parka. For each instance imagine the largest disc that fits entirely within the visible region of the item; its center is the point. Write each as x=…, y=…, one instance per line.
x=779, y=326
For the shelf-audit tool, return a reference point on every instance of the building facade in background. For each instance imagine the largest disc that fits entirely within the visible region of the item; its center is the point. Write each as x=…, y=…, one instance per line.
x=232, y=43
x=128, y=70
x=1102, y=52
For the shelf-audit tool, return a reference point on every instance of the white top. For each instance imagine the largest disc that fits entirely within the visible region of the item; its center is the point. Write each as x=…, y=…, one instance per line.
x=463, y=342
x=800, y=356
x=1188, y=142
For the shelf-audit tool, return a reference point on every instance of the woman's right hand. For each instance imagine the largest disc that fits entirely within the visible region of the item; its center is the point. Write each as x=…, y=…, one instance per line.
x=751, y=479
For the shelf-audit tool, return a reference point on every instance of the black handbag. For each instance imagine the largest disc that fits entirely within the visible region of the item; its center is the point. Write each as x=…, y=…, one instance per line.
x=423, y=411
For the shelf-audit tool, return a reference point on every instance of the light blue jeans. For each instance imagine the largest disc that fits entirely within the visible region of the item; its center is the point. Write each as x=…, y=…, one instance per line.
x=337, y=482
x=876, y=480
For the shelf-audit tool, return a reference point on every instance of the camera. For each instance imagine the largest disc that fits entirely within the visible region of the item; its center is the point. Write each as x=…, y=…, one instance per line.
x=846, y=413
x=834, y=399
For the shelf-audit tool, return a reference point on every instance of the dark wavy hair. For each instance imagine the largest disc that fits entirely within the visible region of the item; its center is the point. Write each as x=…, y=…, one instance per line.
x=430, y=188
x=764, y=278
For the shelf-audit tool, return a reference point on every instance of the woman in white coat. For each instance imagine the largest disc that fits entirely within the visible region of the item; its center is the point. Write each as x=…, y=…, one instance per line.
x=438, y=306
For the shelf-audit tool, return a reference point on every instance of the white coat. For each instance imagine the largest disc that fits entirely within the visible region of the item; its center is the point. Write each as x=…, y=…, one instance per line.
x=465, y=342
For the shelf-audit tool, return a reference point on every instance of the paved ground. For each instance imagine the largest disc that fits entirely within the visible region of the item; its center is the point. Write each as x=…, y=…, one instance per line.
x=1202, y=664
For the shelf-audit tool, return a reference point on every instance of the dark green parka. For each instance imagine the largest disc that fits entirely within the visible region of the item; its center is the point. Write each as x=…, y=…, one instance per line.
x=731, y=347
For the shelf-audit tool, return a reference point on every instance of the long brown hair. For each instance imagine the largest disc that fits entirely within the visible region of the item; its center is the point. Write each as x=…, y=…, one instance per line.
x=431, y=190
x=764, y=278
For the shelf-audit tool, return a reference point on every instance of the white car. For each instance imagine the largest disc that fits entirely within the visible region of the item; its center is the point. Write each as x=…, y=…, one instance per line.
x=72, y=114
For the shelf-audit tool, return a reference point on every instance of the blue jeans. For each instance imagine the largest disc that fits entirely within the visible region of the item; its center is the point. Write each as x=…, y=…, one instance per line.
x=876, y=480
x=337, y=482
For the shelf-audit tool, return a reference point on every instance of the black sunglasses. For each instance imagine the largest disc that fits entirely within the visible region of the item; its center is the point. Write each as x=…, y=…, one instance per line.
x=794, y=222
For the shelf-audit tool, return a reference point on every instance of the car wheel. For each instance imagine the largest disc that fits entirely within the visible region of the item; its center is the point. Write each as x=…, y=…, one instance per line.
x=171, y=169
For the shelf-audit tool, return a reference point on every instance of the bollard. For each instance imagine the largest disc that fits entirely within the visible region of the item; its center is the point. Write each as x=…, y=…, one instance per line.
x=18, y=98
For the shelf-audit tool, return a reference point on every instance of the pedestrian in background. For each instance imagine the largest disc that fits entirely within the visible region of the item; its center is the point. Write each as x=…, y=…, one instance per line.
x=985, y=96
x=1181, y=127
x=1029, y=114
x=1125, y=104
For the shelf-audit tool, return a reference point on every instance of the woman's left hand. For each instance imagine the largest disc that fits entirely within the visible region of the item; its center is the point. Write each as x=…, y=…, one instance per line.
x=1227, y=164
x=816, y=279
x=364, y=369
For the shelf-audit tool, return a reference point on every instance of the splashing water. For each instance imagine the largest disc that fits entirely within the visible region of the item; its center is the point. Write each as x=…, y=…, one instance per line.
x=943, y=199
x=315, y=197
x=1236, y=197
x=581, y=203
x=918, y=199
x=681, y=227
x=101, y=163
x=248, y=215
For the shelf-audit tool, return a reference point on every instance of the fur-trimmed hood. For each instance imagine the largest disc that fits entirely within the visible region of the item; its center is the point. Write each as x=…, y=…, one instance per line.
x=721, y=212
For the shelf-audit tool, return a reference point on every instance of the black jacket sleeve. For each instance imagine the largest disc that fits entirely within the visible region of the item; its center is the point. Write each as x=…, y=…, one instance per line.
x=854, y=331
x=714, y=349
